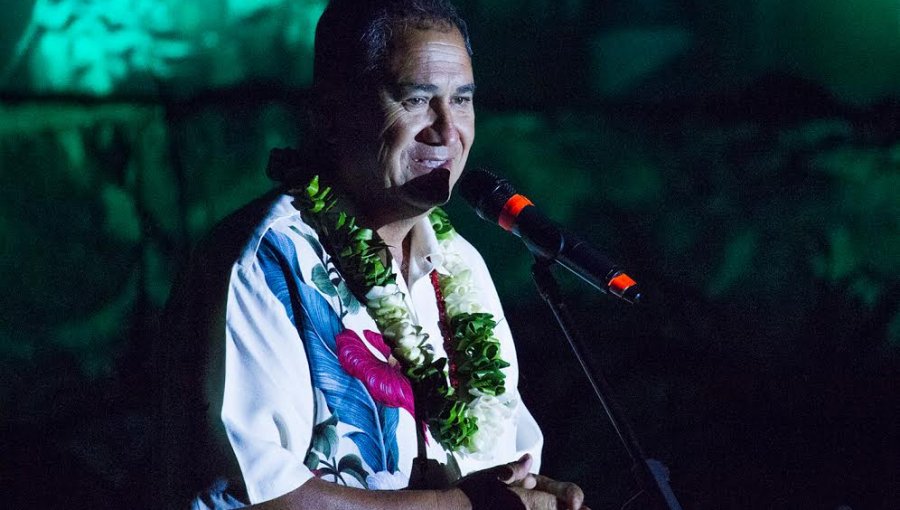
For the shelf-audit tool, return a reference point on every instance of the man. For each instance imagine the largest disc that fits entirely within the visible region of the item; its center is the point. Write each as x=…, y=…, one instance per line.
x=348, y=351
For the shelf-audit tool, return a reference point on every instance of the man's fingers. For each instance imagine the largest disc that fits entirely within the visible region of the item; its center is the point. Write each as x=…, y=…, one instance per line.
x=542, y=500
x=568, y=492
x=537, y=500
x=517, y=471
x=530, y=482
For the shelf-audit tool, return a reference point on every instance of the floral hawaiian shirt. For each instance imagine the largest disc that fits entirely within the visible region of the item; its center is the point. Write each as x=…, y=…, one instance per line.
x=310, y=388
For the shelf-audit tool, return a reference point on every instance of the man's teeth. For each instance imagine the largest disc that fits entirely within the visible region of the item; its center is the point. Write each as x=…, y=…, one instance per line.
x=433, y=163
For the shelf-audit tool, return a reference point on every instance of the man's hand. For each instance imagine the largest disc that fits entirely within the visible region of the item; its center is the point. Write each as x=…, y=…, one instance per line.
x=537, y=492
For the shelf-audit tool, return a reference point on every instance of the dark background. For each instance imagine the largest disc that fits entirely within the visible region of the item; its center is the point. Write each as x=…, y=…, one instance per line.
x=741, y=158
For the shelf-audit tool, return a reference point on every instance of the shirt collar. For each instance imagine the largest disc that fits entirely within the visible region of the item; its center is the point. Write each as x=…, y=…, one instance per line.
x=424, y=251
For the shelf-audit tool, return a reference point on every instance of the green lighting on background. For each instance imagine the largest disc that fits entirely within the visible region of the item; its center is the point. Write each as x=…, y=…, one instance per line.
x=101, y=48
x=741, y=156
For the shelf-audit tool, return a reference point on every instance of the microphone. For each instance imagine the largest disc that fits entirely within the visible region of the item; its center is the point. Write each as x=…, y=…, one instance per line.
x=496, y=201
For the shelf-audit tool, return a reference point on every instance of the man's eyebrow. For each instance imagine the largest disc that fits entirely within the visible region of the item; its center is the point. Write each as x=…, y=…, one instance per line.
x=469, y=88
x=466, y=89
x=418, y=87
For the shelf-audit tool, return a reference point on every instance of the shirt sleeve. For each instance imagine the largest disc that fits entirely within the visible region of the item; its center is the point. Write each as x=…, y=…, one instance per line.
x=268, y=403
x=528, y=435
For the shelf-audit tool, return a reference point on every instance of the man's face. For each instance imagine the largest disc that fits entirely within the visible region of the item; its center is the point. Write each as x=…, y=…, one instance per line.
x=404, y=155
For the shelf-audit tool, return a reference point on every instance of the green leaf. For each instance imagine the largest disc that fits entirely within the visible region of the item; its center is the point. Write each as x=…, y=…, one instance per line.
x=325, y=436
x=312, y=460
x=440, y=222
x=350, y=461
x=347, y=298
x=321, y=280
x=352, y=465
x=360, y=477
x=313, y=187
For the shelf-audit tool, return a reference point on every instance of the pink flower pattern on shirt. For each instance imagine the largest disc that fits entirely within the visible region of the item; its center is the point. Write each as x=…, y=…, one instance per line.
x=383, y=379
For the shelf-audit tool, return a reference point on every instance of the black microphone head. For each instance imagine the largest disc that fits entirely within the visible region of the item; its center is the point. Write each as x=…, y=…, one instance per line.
x=485, y=192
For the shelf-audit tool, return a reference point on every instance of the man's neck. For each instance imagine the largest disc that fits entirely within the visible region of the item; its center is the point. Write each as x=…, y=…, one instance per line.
x=398, y=237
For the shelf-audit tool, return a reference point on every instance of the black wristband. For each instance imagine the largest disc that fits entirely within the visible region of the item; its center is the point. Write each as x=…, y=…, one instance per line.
x=487, y=493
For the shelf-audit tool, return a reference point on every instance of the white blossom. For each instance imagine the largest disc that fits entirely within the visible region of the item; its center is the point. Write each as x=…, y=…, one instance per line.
x=385, y=481
x=493, y=415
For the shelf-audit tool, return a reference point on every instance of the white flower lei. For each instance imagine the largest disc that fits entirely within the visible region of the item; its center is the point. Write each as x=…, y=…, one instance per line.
x=471, y=417
x=461, y=295
x=387, y=304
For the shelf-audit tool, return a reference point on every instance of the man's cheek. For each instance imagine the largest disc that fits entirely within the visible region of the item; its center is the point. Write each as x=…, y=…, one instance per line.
x=391, y=136
x=393, y=117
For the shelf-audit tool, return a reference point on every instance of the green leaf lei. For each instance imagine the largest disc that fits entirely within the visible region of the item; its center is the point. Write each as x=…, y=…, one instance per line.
x=450, y=410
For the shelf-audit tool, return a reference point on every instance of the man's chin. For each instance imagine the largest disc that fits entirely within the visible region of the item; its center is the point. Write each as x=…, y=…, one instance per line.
x=427, y=191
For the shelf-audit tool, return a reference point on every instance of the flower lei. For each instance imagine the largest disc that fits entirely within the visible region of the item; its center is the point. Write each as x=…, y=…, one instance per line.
x=466, y=409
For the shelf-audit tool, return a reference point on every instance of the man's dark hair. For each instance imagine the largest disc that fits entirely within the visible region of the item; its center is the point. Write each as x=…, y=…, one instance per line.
x=353, y=37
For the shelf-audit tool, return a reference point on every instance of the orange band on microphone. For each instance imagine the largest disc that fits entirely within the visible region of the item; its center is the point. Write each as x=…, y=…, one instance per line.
x=620, y=284
x=511, y=210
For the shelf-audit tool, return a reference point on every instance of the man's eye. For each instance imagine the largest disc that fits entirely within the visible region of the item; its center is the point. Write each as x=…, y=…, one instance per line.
x=416, y=101
x=462, y=100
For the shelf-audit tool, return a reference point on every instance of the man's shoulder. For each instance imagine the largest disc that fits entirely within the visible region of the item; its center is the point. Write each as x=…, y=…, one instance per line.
x=235, y=240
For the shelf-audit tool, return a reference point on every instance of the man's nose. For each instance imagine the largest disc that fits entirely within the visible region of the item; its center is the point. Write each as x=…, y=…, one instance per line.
x=441, y=129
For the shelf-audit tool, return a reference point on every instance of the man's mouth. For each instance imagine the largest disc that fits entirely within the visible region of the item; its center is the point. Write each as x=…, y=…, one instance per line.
x=433, y=163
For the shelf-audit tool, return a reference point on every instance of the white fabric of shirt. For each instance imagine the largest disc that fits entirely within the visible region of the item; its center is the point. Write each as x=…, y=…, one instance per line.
x=270, y=406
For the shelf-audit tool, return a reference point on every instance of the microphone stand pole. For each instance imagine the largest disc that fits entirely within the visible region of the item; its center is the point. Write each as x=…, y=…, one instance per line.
x=651, y=475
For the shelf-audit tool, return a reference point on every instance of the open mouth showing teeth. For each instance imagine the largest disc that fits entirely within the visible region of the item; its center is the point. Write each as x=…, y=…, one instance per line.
x=432, y=163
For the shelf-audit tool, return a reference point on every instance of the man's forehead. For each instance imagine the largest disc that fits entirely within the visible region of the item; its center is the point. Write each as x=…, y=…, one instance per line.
x=468, y=88
x=416, y=54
